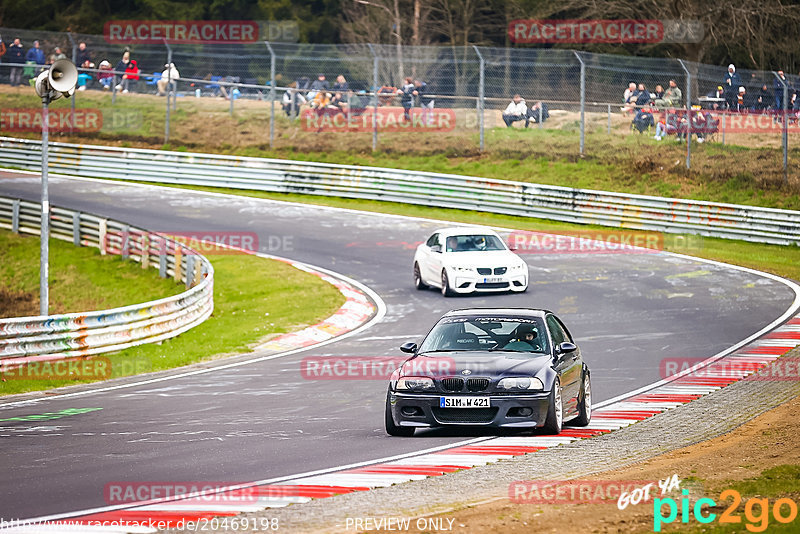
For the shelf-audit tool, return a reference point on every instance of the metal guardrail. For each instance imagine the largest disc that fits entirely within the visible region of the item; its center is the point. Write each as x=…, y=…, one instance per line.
x=749, y=223
x=28, y=339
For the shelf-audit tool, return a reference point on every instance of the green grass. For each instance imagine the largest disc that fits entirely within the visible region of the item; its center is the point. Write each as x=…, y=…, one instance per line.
x=776, y=259
x=773, y=484
x=253, y=298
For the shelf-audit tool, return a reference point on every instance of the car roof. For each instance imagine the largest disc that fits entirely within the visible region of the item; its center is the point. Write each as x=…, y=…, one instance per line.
x=522, y=312
x=464, y=230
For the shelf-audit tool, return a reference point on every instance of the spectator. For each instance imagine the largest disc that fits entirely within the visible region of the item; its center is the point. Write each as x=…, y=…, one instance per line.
x=536, y=109
x=2, y=48
x=119, y=70
x=630, y=102
x=386, y=94
x=778, y=89
x=672, y=97
x=741, y=100
x=292, y=94
x=718, y=93
x=131, y=76
x=731, y=83
x=83, y=54
x=170, y=76
x=320, y=84
x=407, y=97
x=105, y=76
x=762, y=102
x=35, y=54
x=425, y=102
x=358, y=102
x=642, y=96
x=85, y=79
x=626, y=95
x=56, y=55
x=659, y=92
x=517, y=110
x=16, y=54
x=340, y=89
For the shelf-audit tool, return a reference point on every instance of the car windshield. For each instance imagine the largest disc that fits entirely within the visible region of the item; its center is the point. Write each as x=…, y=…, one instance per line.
x=474, y=243
x=484, y=333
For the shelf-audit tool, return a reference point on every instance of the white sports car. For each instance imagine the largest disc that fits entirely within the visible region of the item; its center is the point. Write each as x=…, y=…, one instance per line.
x=464, y=260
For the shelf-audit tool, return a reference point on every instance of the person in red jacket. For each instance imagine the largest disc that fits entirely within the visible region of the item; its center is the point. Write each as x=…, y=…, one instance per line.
x=131, y=76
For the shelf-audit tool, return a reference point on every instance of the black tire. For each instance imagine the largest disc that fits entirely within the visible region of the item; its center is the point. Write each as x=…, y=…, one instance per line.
x=446, y=291
x=585, y=402
x=555, y=413
x=391, y=428
x=418, y=283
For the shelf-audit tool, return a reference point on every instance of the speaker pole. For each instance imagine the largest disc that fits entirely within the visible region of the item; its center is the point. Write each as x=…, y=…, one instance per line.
x=44, y=289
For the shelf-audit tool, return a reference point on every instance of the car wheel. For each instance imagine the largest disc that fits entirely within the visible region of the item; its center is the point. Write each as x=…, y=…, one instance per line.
x=446, y=291
x=585, y=403
x=418, y=283
x=555, y=414
x=391, y=428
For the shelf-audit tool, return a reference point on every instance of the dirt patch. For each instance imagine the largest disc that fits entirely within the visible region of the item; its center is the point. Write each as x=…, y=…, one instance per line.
x=767, y=441
x=18, y=303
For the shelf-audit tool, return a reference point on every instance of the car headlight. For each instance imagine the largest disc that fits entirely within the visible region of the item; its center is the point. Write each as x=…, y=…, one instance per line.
x=462, y=269
x=415, y=382
x=532, y=384
x=518, y=267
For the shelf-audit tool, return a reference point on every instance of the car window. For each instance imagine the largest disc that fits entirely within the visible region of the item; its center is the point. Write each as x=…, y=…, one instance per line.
x=478, y=333
x=555, y=331
x=567, y=335
x=432, y=240
x=474, y=243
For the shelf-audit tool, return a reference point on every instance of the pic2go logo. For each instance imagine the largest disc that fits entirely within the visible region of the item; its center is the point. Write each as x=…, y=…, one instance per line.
x=756, y=511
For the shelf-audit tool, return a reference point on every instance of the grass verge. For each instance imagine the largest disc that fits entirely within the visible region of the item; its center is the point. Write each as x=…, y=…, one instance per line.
x=250, y=304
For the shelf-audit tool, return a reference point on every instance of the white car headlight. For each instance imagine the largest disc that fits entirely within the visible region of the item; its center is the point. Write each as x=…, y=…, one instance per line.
x=532, y=384
x=518, y=267
x=415, y=382
x=461, y=269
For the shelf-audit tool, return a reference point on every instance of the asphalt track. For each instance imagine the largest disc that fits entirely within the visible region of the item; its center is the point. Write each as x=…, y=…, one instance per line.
x=629, y=312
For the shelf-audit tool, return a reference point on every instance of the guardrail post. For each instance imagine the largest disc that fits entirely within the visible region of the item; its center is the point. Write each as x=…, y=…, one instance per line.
x=76, y=228
x=125, y=246
x=162, y=258
x=189, y=270
x=481, y=103
x=169, y=88
x=688, y=114
x=144, y=251
x=375, y=96
x=272, y=94
x=583, y=100
x=15, y=216
x=102, y=230
x=785, y=133
x=178, y=264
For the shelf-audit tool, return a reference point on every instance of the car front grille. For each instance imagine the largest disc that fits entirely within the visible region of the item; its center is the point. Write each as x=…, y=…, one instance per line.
x=465, y=415
x=484, y=270
x=452, y=384
x=491, y=285
x=477, y=384
x=500, y=270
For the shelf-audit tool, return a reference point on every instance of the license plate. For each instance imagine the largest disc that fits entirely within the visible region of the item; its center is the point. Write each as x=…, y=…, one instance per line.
x=493, y=280
x=464, y=402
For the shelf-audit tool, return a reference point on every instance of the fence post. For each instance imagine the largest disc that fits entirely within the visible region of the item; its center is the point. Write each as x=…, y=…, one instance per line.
x=169, y=88
x=76, y=228
x=375, y=96
x=75, y=61
x=271, y=94
x=481, y=103
x=126, y=232
x=162, y=257
x=15, y=216
x=785, y=132
x=189, y=270
x=688, y=114
x=583, y=100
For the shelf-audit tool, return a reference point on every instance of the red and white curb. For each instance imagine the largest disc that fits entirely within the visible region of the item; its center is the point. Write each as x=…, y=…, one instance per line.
x=686, y=387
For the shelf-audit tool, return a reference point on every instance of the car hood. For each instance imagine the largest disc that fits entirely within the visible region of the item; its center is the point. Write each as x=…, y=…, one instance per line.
x=487, y=258
x=479, y=364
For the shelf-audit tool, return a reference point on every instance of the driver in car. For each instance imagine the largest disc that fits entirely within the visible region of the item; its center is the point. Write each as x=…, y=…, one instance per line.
x=524, y=342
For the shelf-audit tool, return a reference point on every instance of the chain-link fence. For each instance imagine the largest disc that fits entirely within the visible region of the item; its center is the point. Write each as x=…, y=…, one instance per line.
x=366, y=93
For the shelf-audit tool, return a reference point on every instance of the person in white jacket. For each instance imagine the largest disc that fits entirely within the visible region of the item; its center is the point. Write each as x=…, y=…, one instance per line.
x=517, y=110
x=169, y=76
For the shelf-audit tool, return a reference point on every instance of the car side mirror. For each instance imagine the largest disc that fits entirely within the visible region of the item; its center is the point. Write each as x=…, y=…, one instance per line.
x=409, y=347
x=436, y=248
x=566, y=347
